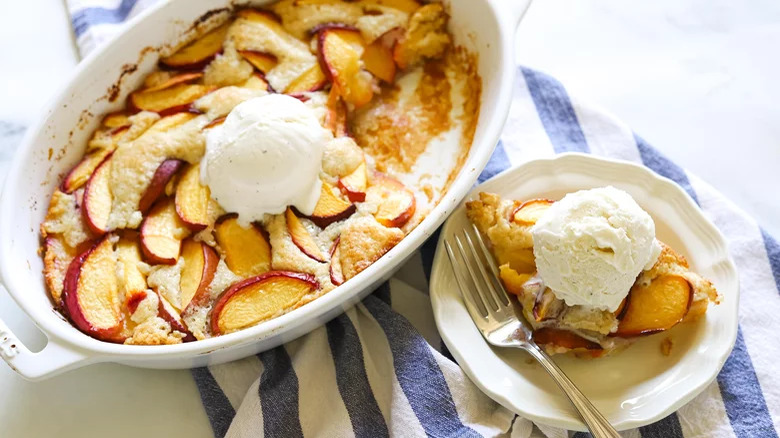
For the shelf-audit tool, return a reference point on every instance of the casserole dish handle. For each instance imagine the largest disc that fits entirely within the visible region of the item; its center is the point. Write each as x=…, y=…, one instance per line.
x=55, y=358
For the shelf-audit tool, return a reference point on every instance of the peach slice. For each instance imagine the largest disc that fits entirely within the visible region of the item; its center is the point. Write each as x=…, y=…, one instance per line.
x=256, y=299
x=330, y=207
x=656, y=307
x=408, y=6
x=98, y=198
x=336, y=115
x=354, y=185
x=301, y=237
x=312, y=79
x=216, y=122
x=260, y=60
x=133, y=301
x=267, y=18
x=91, y=292
x=192, y=199
x=256, y=82
x=162, y=232
x=247, y=250
x=336, y=273
x=396, y=202
x=512, y=280
x=340, y=61
x=165, y=171
x=116, y=119
x=129, y=255
x=520, y=259
x=563, y=338
x=378, y=60
x=199, y=52
x=167, y=312
x=79, y=175
x=182, y=78
x=57, y=258
x=546, y=305
x=169, y=100
x=530, y=211
x=200, y=264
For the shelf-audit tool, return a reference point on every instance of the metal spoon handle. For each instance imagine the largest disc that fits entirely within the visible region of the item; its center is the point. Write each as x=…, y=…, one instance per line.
x=598, y=426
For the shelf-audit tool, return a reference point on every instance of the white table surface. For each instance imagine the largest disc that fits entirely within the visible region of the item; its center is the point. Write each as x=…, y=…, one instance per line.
x=695, y=78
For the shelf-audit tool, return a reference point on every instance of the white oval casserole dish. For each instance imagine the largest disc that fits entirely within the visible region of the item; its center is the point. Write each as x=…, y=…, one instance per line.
x=51, y=146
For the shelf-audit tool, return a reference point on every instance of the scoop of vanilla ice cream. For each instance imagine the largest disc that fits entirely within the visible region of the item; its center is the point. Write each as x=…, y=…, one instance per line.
x=591, y=245
x=266, y=156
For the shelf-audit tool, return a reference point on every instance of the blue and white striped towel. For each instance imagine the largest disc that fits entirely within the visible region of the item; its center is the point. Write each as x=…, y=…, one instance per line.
x=381, y=368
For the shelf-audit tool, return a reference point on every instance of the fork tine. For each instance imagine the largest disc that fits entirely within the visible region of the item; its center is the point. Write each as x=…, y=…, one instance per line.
x=488, y=298
x=491, y=263
x=474, y=309
x=488, y=259
x=498, y=296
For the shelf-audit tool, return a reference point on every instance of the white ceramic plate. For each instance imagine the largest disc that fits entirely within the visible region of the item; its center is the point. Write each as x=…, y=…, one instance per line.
x=639, y=385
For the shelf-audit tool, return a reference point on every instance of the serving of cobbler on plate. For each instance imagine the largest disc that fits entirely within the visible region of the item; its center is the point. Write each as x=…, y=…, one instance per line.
x=587, y=270
x=272, y=156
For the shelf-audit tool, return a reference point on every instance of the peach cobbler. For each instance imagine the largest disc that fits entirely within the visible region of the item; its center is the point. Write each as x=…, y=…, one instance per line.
x=270, y=158
x=587, y=270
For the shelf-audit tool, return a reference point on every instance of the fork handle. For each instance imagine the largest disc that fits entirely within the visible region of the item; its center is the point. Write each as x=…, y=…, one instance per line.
x=598, y=426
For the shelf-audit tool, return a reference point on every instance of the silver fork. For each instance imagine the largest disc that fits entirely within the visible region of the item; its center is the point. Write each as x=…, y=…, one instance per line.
x=494, y=314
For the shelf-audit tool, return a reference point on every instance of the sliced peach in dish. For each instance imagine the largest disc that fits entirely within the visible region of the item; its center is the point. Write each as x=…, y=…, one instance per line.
x=312, y=79
x=349, y=34
x=655, y=307
x=354, y=185
x=182, y=78
x=200, y=264
x=79, y=175
x=57, y=258
x=340, y=61
x=256, y=299
x=530, y=211
x=98, y=198
x=168, y=313
x=133, y=301
x=336, y=273
x=91, y=292
x=162, y=232
x=116, y=119
x=260, y=60
x=336, y=115
x=200, y=52
x=256, y=82
x=129, y=255
x=301, y=237
x=169, y=100
x=261, y=16
x=330, y=207
x=192, y=199
x=164, y=173
x=247, y=250
x=408, y=6
x=378, y=60
x=396, y=202
x=563, y=338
